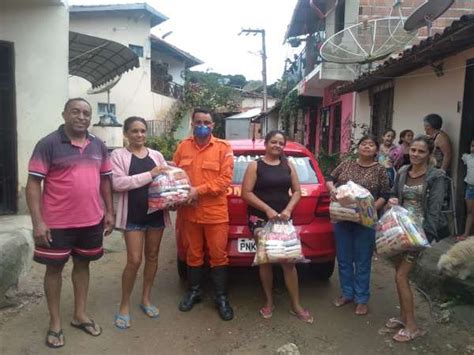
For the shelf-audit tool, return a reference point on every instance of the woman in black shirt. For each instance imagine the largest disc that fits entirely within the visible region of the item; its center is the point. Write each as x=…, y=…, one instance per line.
x=134, y=168
x=265, y=188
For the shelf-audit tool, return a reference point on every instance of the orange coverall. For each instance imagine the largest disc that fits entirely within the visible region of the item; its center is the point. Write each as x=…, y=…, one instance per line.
x=210, y=170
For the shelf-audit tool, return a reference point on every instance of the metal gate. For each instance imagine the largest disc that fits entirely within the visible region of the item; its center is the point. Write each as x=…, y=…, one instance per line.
x=8, y=139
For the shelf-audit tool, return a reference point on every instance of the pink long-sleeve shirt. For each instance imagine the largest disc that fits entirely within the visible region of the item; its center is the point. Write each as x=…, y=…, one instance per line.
x=122, y=182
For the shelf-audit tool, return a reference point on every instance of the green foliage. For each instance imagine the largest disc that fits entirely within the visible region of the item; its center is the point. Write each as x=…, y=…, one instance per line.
x=327, y=162
x=165, y=144
x=212, y=91
x=289, y=110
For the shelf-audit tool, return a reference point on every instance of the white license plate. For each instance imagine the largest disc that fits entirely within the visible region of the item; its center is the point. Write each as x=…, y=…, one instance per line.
x=246, y=245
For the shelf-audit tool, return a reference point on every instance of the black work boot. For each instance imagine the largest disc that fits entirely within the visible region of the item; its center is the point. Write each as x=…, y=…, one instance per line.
x=219, y=278
x=194, y=293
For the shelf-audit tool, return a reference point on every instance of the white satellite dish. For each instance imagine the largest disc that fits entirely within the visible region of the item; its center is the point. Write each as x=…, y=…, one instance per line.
x=105, y=87
x=426, y=13
x=367, y=41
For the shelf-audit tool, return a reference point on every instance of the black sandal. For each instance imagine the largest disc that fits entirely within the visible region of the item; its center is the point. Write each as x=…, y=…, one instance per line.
x=57, y=335
x=85, y=327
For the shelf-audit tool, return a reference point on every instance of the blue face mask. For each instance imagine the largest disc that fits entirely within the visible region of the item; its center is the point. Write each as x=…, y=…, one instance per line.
x=202, y=131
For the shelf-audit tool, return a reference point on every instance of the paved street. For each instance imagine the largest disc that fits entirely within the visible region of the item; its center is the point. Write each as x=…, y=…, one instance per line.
x=335, y=331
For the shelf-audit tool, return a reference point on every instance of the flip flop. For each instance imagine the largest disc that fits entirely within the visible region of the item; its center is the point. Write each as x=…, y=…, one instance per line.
x=266, y=312
x=404, y=335
x=341, y=301
x=304, y=316
x=125, y=319
x=57, y=335
x=394, y=323
x=151, y=311
x=85, y=327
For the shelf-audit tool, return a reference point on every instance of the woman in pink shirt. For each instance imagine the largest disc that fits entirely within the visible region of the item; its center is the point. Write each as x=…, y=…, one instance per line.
x=133, y=169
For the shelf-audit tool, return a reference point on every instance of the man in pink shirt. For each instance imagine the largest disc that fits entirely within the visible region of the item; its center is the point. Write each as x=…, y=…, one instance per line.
x=68, y=187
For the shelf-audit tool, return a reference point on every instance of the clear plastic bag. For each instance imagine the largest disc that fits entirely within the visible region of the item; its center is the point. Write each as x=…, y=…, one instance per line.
x=168, y=189
x=398, y=231
x=279, y=242
x=353, y=198
x=338, y=213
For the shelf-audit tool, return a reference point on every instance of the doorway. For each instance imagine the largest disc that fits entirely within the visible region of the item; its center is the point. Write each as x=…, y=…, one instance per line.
x=8, y=139
x=382, y=111
x=467, y=133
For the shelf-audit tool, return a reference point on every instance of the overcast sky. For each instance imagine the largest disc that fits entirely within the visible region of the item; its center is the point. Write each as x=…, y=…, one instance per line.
x=208, y=29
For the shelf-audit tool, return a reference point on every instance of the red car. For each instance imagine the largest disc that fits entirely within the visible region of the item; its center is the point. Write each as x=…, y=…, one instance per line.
x=310, y=217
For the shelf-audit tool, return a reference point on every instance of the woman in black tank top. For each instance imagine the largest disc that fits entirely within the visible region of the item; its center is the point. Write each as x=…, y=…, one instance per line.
x=265, y=188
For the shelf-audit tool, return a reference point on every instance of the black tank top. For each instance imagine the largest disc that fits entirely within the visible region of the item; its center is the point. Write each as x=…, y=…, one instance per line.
x=138, y=198
x=272, y=187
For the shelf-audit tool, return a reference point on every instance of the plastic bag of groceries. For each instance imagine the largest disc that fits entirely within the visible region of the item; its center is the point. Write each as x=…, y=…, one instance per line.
x=279, y=242
x=398, y=231
x=338, y=213
x=168, y=189
x=354, y=199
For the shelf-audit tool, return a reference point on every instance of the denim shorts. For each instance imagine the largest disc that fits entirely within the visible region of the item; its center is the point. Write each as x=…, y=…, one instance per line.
x=159, y=224
x=469, y=192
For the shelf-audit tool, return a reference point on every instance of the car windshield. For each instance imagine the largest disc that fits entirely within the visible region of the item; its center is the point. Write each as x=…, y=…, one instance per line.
x=304, y=168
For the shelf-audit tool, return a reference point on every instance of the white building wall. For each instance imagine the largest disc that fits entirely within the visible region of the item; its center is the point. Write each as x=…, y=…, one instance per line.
x=421, y=92
x=132, y=95
x=40, y=37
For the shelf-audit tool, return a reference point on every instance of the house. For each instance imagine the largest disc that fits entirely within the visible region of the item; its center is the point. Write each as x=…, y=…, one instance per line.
x=434, y=76
x=37, y=54
x=153, y=89
x=328, y=116
x=33, y=66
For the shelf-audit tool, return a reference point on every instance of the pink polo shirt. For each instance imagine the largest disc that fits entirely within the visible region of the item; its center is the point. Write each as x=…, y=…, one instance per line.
x=71, y=179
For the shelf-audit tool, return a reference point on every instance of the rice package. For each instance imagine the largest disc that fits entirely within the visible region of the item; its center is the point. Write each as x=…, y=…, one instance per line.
x=398, y=231
x=357, y=198
x=339, y=213
x=168, y=189
x=279, y=243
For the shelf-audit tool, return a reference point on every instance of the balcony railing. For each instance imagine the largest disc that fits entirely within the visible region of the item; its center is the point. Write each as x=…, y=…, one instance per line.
x=167, y=88
x=307, y=60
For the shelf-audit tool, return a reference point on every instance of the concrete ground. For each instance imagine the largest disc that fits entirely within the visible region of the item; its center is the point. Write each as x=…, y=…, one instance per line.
x=335, y=330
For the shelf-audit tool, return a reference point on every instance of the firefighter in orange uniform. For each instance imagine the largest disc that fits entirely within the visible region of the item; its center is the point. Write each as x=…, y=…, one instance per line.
x=204, y=222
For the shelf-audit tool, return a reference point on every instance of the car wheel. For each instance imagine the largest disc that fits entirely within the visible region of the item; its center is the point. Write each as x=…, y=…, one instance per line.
x=182, y=269
x=322, y=271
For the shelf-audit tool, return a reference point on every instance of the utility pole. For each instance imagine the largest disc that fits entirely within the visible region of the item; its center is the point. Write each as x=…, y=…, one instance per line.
x=264, y=63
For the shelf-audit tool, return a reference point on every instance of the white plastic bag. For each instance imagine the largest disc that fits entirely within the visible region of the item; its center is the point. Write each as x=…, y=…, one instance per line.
x=279, y=243
x=168, y=189
x=352, y=196
x=398, y=231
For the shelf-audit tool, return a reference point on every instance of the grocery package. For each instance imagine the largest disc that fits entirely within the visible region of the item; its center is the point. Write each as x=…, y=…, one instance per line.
x=168, y=189
x=279, y=243
x=338, y=213
x=353, y=198
x=398, y=231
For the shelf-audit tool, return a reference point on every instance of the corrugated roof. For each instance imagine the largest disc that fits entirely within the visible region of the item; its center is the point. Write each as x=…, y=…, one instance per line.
x=160, y=44
x=455, y=38
x=304, y=20
x=156, y=16
x=98, y=60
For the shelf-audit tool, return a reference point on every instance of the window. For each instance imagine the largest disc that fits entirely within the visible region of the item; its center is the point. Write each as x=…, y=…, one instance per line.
x=382, y=111
x=340, y=17
x=304, y=168
x=102, y=108
x=138, y=50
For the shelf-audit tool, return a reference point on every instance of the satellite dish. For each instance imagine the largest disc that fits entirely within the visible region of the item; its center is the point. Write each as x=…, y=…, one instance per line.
x=105, y=87
x=426, y=13
x=367, y=41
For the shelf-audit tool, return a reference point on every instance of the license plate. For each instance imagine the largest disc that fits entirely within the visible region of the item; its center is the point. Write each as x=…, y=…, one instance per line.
x=246, y=245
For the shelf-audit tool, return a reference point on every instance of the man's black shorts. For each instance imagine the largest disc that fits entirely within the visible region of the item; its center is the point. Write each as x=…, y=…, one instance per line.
x=83, y=243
